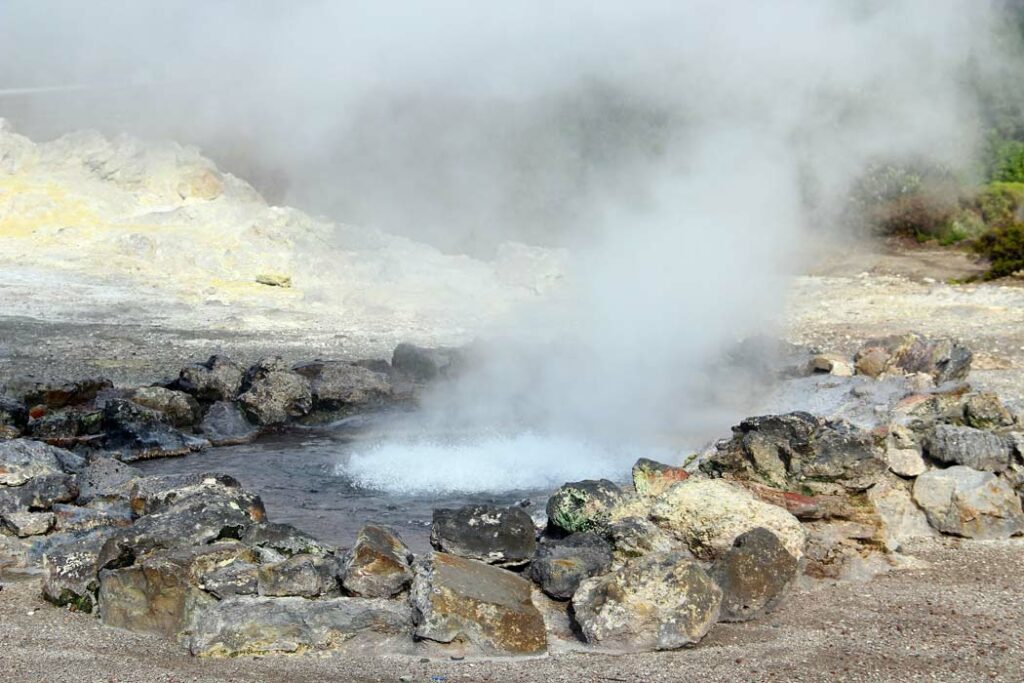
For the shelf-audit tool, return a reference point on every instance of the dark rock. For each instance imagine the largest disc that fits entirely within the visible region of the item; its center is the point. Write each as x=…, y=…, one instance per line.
x=106, y=480
x=944, y=359
x=39, y=494
x=304, y=576
x=636, y=536
x=137, y=433
x=225, y=424
x=284, y=540
x=57, y=394
x=180, y=409
x=69, y=518
x=422, y=364
x=560, y=565
x=237, y=577
x=218, y=379
x=21, y=460
x=156, y=494
x=336, y=385
x=656, y=602
x=71, y=570
x=753, y=575
x=13, y=417
x=378, y=565
x=273, y=394
x=496, y=535
x=491, y=609
x=967, y=446
x=56, y=425
x=651, y=478
x=985, y=411
x=583, y=505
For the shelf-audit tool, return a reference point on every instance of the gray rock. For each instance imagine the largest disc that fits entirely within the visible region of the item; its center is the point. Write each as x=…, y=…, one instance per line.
x=74, y=518
x=273, y=394
x=337, y=385
x=966, y=502
x=486, y=607
x=422, y=364
x=496, y=535
x=753, y=575
x=900, y=520
x=39, y=493
x=284, y=540
x=656, y=602
x=225, y=424
x=71, y=570
x=259, y=626
x=179, y=407
x=560, y=565
x=636, y=536
x=57, y=426
x=378, y=565
x=218, y=379
x=149, y=495
x=306, y=576
x=106, y=479
x=583, y=505
x=25, y=524
x=974, y=448
x=985, y=411
x=22, y=460
x=238, y=577
x=945, y=360
x=134, y=432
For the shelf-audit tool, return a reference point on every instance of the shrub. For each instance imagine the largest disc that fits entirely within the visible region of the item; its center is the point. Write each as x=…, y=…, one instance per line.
x=1004, y=248
x=1004, y=160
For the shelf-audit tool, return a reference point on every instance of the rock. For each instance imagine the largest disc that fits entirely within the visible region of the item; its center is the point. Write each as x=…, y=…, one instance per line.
x=651, y=478
x=225, y=424
x=800, y=506
x=180, y=408
x=944, y=359
x=560, y=565
x=965, y=502
x=901, y=520
x=753, y=575
x=337, y=385
x=636, y=536
x=421, y=364
x=24, y=524
x=39, y=493
x=273, y=394
x=106, y=480
x=306, y=576
x=583, y=505
x=21, y=460
x=57, y=426
x=831, y=364
x=137, y=433
x=218, y=379
x=13, y=417
x=797, y=450
x=656, y=602
x=985, y=411
x=237, y=577
x=76, y=518
x=378, y=565
x=71, y=570
x=496, y=535
x=58, y=394
x=708, y=515
x=259, y=626
x=974, y=448
x=284, y=540
x=901, y=453
x=456, y=599
x=155, y=494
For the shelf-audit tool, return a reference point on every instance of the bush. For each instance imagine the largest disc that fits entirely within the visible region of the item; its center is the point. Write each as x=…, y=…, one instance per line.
x=1004, y=160
x=1004, y=248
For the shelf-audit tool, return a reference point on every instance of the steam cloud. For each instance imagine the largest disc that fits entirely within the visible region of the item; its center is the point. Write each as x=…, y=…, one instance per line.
x=681, y=151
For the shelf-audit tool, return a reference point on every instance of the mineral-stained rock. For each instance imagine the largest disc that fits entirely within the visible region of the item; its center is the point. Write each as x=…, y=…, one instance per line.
x=337, y=385
x=24, y=524
x=378, y=565
x=636, y=536
x=656, y=602
x=561, y=564
x=455, y=599
x=831, y=364
x=583, y=505
x=944, y=359
x=974, y=448
x=799, y=505
x=273, y=394
x=71, y=569
x=155, y=494
x=796, y=450
x=283, y=539
x=238, y=577
x=76, y=518
x=58, y=394
x=306, y=576
x=259, y=625
x=218, y=379
x=651, y=478
x=753, y=574
x=901, y=520
x=497, y=535
x=902, y=453
x=39, y=493
x=965, y=502
x=985, y=411
x=138, y=433
x=56, y=426
x=708, y=515
x=22, y=459
x=225, y=424
x=180, y=408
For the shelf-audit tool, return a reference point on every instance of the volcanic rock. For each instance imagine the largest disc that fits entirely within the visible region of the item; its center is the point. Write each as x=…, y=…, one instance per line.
x=24, y=524
x=900, y=519
x=106, y=480
x=218, y=379
x=21, y=460
x=71, y=570
x=180, y=408
x=378, y=565
x=583, y=505
x=985, y=411
x=337, y=385
x=637, y=536
x=974, y=448
x=76, y=518
x=58, y=394
x=421, y=364
x=155, y=494
x=651, y=478
x=965, y=502
x=39, y=493
x=13, y=417
x=753, y=574
x=491, y=534
x=561, y=564
x=902, y=453
x=944, y=359
x=237, y=577
x=225, y=424
x=138, y=433
x=283, y=540
x=273, y=394
x=306, y=576
x=831, y=364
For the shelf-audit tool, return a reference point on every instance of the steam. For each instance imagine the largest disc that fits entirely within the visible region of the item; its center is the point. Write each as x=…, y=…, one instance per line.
x=681, y=152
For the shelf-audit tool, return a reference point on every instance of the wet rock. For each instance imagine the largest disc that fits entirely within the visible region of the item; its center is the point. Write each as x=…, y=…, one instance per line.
x=709, y=515
x=137, y=433
x=71, y=570
x=985, y=411
x=966, y=502
x=583, y=505
x=378, y=565
x=306, y=576
x=180, y=409
x=337, y=385
x=945, y=360
x=560, y=565
x=218, y=379
x=637, y=536
x=900, y=519
x=156, y=494
x=39, y=493
x=656, y=602
x=106, y=480
x=273, y=394
x=496, y=535
x=259, y=626
x=796, y=450
x=974, y=448
x=422, y=364
x=651, y=478
x=24, y=524
x=753, y=575
x=225, y=424
x=491, y=609
x=21, y=460
x=283, y=539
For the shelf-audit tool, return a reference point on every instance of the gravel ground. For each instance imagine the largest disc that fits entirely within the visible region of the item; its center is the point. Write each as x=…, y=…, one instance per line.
x=959, y=617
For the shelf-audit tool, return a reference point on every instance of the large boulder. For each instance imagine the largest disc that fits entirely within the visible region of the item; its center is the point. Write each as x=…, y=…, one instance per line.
x=22, y=460
x=753, y=574
x=656, y=602
x=180, y=409
x=39, y=494
x=225, y=424
x=651, y=477
x=974, y=448
x=105, y=480
x=488, y=608
x=900, y=520
x=338, y=386
x=134, y=432
x=218, y=379
x=945, y=360
x=378, y=565
x=561, y=564
x=708, y=515
x=305, y=576
x=71, y=570
x=966, y=502
x=149, y=495
x=57, y=394
x=273, y=394
x=25, y=524
x=503, y=536
x=259, y=625
x=583, y=505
